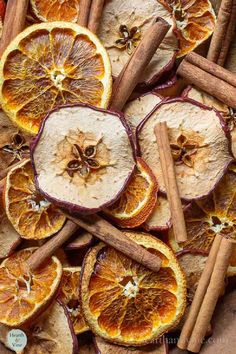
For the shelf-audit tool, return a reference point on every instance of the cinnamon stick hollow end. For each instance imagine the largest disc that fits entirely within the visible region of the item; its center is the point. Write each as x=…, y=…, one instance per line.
x=199, y=144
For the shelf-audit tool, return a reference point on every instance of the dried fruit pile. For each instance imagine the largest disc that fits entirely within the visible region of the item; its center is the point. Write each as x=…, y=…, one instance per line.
x=66, y=152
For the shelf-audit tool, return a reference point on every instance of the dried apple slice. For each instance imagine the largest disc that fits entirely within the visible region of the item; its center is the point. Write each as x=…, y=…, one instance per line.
x=103, y=347
x=51, y=333
x=69, y=295
x=199, y=144
x=23, y=292
x=122, y=26
x=30, y=213
x=88, y=160
x=14, y=144
x=124, y=302
x=138, y=199
x=9, y=238
x=228, y=113
x=81, y=240
x=136, y=110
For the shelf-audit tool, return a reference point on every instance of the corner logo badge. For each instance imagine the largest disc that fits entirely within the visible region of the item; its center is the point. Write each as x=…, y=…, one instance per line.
x=16, y=339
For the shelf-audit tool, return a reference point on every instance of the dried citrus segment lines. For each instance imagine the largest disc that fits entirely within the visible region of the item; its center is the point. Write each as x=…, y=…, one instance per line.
x=126, y=303
x=56, y=10
x=195, y=20
x=51, y=64
x=30, y=213
x=23, y=292
x=69, y=295
x=138, y=200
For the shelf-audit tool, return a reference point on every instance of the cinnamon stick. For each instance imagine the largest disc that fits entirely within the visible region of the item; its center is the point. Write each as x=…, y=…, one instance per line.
x=95, y=15
x=199, y=294
x=223, y=33
x=168, y=171
x=14, y=21
x=212, y=295
x=130, y=75
x=107, y=233
x=50, y=247
x=84, y=9
x=209, y=83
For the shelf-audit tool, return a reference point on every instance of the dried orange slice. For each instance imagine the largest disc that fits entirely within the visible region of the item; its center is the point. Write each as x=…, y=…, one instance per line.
x=56, y=10
x=52, y=64
x=138, y=200
x=69, y=295
x=126, y=303
x=32, y=215
x=23, y=293
x=195, y=21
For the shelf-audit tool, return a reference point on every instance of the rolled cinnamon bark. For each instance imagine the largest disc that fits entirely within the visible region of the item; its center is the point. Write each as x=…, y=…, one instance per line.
x=168, y=170
x=14, y=21
x=212, y=295
x=95, y=15
x=199, y=295
x=209, y=83
x=130, y=75
x=223, y=33
x=84, y=10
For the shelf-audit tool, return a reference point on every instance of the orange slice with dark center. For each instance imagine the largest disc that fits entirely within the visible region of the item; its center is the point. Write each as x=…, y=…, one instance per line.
x=31, y=214
x=138, y=200
x=24, y=293
x=56, y=10
x=126, y=303
x=49, y=65
x=69, y=295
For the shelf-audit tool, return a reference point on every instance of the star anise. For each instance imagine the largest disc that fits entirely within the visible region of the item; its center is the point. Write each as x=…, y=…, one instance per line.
x=129, y=39
x=230, y=119
x=83, y=162
x=17, y=147
x=184, y=151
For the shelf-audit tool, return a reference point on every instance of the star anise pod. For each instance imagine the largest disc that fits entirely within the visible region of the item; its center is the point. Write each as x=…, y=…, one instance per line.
x=129, y=39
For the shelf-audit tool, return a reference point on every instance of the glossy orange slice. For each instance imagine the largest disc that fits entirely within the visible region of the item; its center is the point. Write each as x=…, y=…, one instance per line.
x=52, y=64
x=126, y=303
x=56, y=10
x=31, y=215
x=24, y=293
x=138, y=200
x=69, y=295
x=195, y=21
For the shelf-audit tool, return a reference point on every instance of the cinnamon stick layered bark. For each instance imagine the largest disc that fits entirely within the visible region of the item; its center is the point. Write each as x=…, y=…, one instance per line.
x=95, y=15
x=223, y=33
x=130, y=75
x=168, y=170
x=212, y=295
x=209, y=77
x=84, y=10
x=14, y=21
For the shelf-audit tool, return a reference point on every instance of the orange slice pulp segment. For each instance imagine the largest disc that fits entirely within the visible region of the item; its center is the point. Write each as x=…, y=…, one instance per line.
x=126, y=303
x=56, y=10
x=24, y=293
x=138, y=200
x=49, y=65
x=69, y=295
x=31, y=214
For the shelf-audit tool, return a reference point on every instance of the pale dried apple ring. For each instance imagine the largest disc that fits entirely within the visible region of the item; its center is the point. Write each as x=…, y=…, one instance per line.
x=87, y=162
x=32, y=216
x=199, y=144
x=124, y=302
x=24, y=293
x=56, y=10
x=52, y=64
x=122, y=26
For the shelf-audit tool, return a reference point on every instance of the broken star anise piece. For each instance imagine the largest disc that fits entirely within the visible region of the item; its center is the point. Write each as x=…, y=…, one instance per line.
x=129, y=38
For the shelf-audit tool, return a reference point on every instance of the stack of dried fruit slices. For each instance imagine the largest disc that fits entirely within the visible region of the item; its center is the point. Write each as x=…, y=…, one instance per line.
x=66, y=152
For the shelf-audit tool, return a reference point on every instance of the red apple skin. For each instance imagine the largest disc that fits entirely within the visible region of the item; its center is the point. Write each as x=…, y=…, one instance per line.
x=2, y=9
